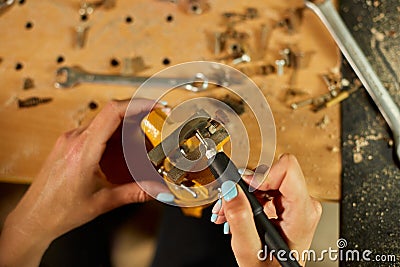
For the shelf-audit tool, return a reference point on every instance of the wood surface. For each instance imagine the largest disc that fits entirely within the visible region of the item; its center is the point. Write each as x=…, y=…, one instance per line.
x=27, y=135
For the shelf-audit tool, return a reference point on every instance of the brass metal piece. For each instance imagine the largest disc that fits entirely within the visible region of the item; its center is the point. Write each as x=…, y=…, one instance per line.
x=81, y=35
x=249, y=14
x=133, y=65
x=315, y=101
x=200, y=121
x=186, y=186
x=28, y=83
x=301, y=104
x=219, y=42
x=87, y=8
x=265, y=34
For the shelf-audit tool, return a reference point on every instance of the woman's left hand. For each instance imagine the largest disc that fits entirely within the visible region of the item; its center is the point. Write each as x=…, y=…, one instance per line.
x=70, y=190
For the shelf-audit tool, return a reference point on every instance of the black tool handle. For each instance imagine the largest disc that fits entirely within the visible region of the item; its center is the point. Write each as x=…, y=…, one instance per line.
x=222, y=167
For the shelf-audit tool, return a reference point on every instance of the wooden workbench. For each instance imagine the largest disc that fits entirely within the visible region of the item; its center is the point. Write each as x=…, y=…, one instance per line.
x=35, y=35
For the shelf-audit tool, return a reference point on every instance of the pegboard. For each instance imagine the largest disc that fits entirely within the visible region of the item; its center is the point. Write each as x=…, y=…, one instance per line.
x=38, y=37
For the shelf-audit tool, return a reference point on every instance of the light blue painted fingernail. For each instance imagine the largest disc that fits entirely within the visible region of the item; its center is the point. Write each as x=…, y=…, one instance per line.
x=214, y=217
x=226, y=228
x=163, y=102
x=165, y=197
x=217, y=206
x=229, y=190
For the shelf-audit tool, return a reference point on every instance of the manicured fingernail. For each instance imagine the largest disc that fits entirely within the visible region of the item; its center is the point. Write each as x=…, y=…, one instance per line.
x=166, y=110
x=226, y=228
x=217, y=206
x=214, y=217
x=281, y=155
x=244, y=171
x=165, y=197
x=229, y=190
x=163, y=102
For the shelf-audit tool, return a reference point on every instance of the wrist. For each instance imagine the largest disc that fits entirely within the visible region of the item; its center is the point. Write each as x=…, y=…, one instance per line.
x=23, y=243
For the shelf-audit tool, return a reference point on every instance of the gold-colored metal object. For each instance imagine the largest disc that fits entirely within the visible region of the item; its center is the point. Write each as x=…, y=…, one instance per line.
x=185, y=185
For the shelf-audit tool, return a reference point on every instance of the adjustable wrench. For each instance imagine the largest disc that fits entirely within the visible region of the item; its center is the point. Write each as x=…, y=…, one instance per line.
x=327, y=13
x=67, y=77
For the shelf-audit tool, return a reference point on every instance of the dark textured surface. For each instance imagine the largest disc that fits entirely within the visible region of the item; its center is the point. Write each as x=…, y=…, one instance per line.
x=179, y=246
x=370, y=210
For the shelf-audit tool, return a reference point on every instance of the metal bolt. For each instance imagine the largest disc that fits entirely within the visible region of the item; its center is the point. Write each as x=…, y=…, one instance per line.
x=81, y=32
x=287, y=54
x=193, y=193
x=219, y=42
x=302, y=103
x=280, y=63
x=243, y=58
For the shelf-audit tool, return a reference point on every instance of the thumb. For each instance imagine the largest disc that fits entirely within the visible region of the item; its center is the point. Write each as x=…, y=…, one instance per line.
x=115, y=196
x=245, y=241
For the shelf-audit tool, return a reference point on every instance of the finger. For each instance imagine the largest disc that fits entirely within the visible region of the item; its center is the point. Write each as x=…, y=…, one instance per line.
x=220, y=219
x=113, y=197
x=262, y=196
x=286, y=176
x=217, y=213
x=269, y=209
x=239, y=215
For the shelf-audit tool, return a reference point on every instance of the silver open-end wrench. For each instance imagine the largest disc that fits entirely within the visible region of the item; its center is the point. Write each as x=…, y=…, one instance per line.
x=329, y=16
x=67, y=77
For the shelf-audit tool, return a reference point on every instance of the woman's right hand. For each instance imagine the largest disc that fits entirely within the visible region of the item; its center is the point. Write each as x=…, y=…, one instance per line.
x=286, y=202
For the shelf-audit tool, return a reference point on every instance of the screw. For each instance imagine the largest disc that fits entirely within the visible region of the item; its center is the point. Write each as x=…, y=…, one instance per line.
x=302, y=103
x=243, y=58
x=287, y=54
x=81, y=33
x=219, y=42
x=280, y=63
x=32, y=101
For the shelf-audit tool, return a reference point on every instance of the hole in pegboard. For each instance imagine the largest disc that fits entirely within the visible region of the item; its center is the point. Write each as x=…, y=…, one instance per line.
x=169, y=18
x=114, y=62
x=60, y=59
x=92, y=105
x=19, y=66
x=128, y=19
x=21, y=2
x=84, y=17
x=166, y=61
x=28, y=25
x=194, y=8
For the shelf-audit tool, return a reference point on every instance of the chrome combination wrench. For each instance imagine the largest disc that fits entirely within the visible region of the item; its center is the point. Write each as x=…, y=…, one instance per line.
x=67, y=77
x=330, y=18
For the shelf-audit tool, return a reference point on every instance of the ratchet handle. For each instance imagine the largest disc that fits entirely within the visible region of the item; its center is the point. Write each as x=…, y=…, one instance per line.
x=222, y=167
